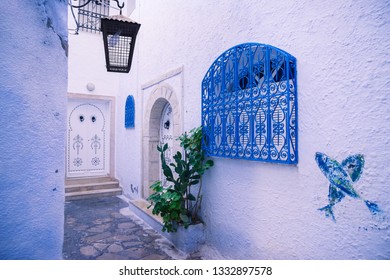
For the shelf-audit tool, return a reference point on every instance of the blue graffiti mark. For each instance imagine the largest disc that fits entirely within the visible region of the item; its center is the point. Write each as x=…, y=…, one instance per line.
x=134, y=189
x=341, y=178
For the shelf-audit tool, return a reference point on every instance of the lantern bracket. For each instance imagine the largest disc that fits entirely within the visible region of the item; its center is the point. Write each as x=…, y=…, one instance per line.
x=120, y=6
x=97, y=3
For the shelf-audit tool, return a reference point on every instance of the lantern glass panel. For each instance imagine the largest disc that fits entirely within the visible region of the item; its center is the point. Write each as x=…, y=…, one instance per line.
x=119, y=49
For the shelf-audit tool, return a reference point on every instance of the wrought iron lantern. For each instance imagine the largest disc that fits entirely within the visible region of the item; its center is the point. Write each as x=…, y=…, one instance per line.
x=119, y=34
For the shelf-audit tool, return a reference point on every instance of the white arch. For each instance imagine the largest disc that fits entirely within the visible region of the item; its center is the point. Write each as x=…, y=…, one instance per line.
x=160, y=96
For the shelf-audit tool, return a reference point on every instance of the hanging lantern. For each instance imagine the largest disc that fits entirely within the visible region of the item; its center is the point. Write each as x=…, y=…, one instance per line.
x=119, y=34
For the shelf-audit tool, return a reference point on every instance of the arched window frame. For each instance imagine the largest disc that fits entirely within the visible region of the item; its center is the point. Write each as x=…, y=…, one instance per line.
x=129, y=112
x=250, y=106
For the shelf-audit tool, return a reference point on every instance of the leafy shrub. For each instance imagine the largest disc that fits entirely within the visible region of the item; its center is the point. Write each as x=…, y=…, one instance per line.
x=176, y=204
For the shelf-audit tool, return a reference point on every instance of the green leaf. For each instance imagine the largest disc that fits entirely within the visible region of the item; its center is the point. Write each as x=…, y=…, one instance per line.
x=191, y=197
x=184, y=218
x=179, y=168
x=167, y=171
x=193, y=183
x=176, y=196
x=156, y=186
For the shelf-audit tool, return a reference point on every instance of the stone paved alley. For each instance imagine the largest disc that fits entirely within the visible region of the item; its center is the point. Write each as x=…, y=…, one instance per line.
x=105, y=229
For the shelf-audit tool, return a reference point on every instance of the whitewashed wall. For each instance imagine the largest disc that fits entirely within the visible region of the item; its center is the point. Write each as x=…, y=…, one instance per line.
x=260, y=210
x=87, y=65
x=269, y=211
x=33, y=82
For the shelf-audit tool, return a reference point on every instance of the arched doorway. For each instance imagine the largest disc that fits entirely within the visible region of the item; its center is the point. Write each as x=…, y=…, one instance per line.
x=162, y=123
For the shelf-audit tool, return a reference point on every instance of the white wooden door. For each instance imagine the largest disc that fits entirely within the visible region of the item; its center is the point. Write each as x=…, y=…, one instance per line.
x=166, y=137
x=88, y=143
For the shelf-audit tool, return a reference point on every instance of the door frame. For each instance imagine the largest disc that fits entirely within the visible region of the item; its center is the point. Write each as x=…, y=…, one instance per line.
x=160, y=97
x=111, y=106
x=156, y=93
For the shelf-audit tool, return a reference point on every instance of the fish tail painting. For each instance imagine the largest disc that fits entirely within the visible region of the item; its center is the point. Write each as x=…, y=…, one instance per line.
x=373, y=207
x=341, y=178
x=328, y=211
x=335, y=195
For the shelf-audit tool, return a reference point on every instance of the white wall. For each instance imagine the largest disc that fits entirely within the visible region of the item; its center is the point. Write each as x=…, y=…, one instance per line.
x=87, y=65
x=33, y=81
x=256, y=210
x=269, y=211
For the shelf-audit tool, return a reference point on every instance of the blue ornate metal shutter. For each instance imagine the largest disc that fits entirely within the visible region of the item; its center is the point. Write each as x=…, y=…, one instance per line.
x=129, y=112
x=249, y=105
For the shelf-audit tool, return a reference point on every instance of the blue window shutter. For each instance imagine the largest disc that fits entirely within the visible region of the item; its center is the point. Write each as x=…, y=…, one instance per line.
x=249, y=105
x=129, y=112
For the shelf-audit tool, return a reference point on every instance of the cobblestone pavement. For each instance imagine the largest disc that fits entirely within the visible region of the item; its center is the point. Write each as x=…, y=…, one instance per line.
x=96, y=229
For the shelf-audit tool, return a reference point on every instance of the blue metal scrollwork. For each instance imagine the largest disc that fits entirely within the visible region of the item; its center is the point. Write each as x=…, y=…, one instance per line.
x=249, y=105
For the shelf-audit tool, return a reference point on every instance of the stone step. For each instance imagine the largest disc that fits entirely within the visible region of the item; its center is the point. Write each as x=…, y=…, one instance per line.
x=91, y=186
x=89, y=180
x=92, y=194
x=81, y=188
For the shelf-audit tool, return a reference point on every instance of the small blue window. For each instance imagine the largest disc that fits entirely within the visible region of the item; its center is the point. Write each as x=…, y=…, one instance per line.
x=249, y=105
x=129, y=112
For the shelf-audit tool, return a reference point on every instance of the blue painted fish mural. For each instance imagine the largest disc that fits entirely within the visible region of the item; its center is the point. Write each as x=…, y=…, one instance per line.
x=341, y=178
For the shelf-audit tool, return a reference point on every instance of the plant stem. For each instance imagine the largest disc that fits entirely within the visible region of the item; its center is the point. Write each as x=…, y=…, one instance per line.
x=196, y=205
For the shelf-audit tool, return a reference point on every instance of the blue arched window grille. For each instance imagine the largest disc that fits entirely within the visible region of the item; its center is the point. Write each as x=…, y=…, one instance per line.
x=249, y=105
x=129, y=112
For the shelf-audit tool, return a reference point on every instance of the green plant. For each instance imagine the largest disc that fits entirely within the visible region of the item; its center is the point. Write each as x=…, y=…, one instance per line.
x=176, y=203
